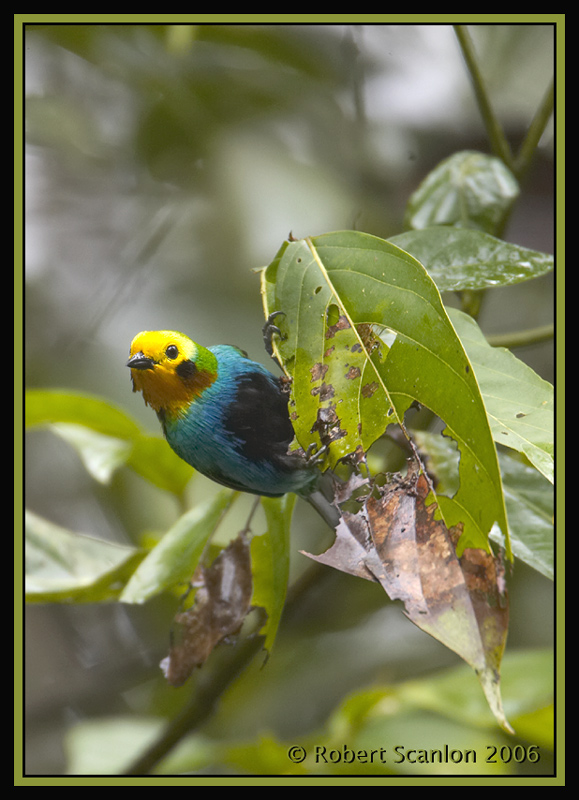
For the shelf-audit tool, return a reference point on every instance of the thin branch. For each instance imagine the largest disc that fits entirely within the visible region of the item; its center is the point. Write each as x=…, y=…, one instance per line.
x=207, y=694
x=536, y=130
x=496, y=134
x=211, y=684
x=525, y=338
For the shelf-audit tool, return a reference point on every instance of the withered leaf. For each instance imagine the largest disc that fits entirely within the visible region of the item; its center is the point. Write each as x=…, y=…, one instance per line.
x=352, y=549
x=221, y=604
x=397, y=540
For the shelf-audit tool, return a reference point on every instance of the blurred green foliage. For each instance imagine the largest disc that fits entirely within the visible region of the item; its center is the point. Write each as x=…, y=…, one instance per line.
x=164, y=164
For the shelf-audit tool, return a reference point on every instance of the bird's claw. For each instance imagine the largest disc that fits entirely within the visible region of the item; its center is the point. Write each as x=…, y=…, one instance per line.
x=269, y=330
x=315, y=456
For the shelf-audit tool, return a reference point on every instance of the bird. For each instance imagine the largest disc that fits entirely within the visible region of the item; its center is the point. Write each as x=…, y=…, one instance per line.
x=227, y=416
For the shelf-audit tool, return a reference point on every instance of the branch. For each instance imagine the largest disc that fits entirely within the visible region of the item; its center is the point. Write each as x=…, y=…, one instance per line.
x=536, y=130
x=542, y=333
x=496, y=134
x=201, y=706
x=211, y=685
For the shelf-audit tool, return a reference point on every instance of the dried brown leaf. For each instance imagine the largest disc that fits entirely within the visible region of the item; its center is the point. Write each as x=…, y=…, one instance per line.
x=222, y=601
x=398, y=539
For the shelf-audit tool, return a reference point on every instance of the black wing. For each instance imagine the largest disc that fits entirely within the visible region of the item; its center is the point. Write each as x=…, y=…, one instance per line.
x=259, y=417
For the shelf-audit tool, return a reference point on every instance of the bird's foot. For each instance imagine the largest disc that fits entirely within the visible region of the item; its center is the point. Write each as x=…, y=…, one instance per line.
x=313, y=455
x=270, y=330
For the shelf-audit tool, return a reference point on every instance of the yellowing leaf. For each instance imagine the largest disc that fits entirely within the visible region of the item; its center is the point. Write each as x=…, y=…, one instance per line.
x=364, y=335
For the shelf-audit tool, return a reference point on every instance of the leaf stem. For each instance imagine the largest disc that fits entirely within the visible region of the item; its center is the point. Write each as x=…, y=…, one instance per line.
x=499, y=143
x=541, y=333
x=200, y=707
x=535, y=132
x=471, y=301
x=212, y=685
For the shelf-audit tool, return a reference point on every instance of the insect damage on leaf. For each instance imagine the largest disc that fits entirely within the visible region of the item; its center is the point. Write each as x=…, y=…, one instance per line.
x=368, y=337
x=327, y=425
x=318, y=371
x=325, y=391
x=370, y=315
x=341, y=324
x=222, y=601
x=397, y=540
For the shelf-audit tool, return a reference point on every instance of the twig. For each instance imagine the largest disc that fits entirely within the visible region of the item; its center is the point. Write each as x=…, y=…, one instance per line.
x=201, y=706
x=496, y=134
x=536, y=130
x=541, y=333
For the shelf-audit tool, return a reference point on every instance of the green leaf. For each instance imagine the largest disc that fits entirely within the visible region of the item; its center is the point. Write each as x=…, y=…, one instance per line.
x=365, y=334
x=108, y=745
x=526, y=682
x=101, y=455
x=64, y=566
x=468, y=189
x=529, y=500
x=270, y=562
x=380, y=713
x=174, y=559
x=45, y=406
x=406, y=728
x=519, y=404
x=530, y=510
x=457, y=259
x=106, y=438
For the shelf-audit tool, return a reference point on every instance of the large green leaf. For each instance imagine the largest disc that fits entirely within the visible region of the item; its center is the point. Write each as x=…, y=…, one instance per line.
x=64, y=566
x=458, y=258
x=530, y=508
x=101, y=455
x=45, y=406
x=364, y=335
x=519, y=404
x=105, y=437
x=174, y=559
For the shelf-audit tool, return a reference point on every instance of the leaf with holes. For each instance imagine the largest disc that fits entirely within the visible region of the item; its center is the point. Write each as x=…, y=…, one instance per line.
x=364, y=334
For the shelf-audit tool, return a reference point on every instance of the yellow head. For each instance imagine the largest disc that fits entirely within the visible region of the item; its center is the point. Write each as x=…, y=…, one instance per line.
x=170, y=370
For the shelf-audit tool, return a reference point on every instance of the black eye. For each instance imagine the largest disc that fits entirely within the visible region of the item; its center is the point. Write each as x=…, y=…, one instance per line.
x=172, y=352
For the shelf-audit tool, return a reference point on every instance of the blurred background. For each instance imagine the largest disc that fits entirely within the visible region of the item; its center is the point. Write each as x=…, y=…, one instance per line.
x=163, y=166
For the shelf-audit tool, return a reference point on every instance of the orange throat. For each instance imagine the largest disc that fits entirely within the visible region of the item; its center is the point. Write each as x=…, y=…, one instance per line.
x=165, y=390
